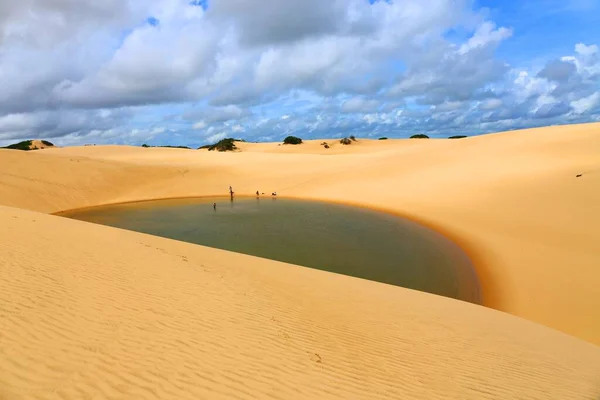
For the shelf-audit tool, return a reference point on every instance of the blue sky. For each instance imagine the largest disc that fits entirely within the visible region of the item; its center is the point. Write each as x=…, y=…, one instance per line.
x=189, y=73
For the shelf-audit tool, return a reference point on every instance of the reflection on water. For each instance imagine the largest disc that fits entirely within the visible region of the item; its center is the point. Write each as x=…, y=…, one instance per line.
x=347, y=240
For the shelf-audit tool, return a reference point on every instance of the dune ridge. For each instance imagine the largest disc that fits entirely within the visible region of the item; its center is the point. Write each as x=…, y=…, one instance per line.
x=91, y=310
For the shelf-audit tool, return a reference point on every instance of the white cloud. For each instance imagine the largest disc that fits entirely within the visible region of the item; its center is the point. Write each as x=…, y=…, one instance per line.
x=199, y=125
x=218, y=114
x=586, y=104
x=79, y=69
x=584, y=50
x=237, y=129
x=216, y=137
x=360, y=105
x=490, y=104
x=485, y=34
x=449, y=106
x=157, y=130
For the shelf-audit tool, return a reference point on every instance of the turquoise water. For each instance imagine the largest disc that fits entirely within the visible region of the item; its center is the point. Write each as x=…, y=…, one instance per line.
x=331, y=237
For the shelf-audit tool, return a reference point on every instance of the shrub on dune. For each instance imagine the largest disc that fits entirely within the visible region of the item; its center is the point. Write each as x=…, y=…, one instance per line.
x=27, y=145
x=292, y=140
x=419, y=136
x=222, y=145
x=24, y=145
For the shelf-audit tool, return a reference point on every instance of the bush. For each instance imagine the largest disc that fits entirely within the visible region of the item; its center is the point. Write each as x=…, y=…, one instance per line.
x=222, y=145
x=326, y=145
x=419, y=136
x=457, y=137
x=383, y=138
x=292, y=140
x=346, y=141
x=353, y=138
x=47, y=143
x=24, y=145
x=167, y=146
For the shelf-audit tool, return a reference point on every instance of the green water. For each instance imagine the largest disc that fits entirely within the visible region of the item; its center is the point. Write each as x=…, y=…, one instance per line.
x=331, y=237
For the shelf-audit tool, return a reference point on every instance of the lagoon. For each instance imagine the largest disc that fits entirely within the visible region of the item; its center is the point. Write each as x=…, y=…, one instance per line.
x=343, y=239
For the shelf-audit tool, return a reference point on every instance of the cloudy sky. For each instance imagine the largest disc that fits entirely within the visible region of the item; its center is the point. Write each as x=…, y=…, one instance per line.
x=187, y=72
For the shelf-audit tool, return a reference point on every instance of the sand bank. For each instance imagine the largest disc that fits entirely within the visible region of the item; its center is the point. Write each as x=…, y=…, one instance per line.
x=89, y=316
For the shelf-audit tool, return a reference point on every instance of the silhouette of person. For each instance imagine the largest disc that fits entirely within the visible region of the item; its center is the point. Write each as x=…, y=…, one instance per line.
x=215, y=206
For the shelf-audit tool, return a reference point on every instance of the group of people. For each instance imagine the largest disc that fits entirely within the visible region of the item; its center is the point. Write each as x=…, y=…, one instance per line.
x=274, y=194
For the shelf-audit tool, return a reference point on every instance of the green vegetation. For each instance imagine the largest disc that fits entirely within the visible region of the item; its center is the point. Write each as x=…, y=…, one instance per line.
x=222, y=145
x=346, y=141
x=419, y=136
x=24, y=145
x=27, y=145
x=383, y=138
x=353, y=138
x=170, y=147
x=457, y=137
x=292, y=140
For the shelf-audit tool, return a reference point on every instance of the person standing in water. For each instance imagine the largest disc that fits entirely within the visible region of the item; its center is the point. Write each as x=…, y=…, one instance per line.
x=257, y=194
x=215, y=206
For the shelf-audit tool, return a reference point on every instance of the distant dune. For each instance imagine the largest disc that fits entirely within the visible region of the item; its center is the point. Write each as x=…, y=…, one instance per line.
x=30, y=145
x=88, y=310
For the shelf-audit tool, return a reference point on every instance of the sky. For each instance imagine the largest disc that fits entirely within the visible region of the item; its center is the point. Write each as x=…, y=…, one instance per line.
x=181, y=72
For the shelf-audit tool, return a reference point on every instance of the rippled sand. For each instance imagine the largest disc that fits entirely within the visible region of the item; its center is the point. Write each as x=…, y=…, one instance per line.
x=88, y=311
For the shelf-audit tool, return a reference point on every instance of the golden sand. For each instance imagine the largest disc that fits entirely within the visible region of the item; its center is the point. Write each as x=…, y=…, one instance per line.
x=92, y=311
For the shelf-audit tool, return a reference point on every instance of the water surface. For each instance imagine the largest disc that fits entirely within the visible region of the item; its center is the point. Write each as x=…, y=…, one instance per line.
x=331, y=237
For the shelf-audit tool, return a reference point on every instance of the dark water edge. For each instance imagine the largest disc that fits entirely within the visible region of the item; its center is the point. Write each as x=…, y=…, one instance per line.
x=332, y=237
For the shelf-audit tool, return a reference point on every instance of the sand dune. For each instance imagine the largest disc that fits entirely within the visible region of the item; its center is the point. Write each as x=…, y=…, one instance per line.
x=95, y=311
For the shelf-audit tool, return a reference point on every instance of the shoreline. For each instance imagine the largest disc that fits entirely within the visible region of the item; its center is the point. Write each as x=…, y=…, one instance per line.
x=475, y=260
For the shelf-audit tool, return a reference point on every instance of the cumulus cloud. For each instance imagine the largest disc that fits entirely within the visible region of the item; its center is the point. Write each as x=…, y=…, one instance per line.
x=586, y=104
x=132, y=70
x=218, y=114
x=57, y=125
x=447, y=73
x=216, y=137
x=360, y=105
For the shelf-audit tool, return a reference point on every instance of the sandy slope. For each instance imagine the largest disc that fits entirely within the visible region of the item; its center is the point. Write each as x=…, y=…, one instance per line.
x=124, y=315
